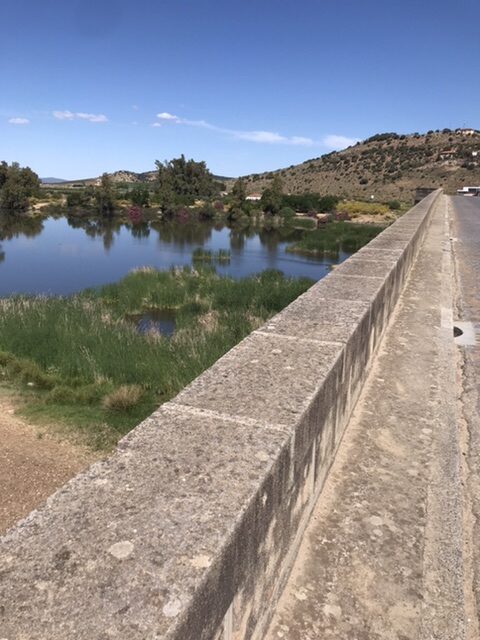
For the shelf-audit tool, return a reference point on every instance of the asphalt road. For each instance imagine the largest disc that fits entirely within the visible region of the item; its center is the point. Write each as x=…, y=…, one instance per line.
x=466, y=230
x=465, y=233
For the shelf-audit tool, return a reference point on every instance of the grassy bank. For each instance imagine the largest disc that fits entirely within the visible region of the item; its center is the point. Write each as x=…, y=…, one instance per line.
x=335, y=237
x=80, y=361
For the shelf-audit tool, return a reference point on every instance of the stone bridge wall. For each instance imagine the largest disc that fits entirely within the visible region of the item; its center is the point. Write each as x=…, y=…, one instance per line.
x=188, y=531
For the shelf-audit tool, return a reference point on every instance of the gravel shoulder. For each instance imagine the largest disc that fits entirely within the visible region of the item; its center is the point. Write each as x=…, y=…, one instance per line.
x=33, y=464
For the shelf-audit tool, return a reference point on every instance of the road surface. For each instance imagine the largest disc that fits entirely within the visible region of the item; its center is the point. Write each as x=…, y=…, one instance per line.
x=391, y=552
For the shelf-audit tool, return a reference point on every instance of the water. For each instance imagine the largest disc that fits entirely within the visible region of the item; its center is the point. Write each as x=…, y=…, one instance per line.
x=54, y=257
x=154, y=321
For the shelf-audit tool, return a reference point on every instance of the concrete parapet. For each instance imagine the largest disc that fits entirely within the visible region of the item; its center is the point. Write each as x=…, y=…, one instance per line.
x=188, y=531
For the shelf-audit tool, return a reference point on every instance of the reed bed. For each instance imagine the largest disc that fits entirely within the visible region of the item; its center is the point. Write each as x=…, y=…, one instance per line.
x=78, y=360
x=222, y=256
x=335, y=237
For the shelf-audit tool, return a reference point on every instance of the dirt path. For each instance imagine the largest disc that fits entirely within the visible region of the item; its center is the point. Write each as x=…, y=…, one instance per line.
x=32, y=465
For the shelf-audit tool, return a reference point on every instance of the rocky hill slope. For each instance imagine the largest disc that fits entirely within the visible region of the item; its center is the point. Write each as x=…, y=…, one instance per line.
x=387, y=166
x=128, y=177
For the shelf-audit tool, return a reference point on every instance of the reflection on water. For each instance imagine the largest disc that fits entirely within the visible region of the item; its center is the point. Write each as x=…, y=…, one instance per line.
x=183, y=234
x=154, y=321
x=104, y=229
x=63, y=255
x=13, y=226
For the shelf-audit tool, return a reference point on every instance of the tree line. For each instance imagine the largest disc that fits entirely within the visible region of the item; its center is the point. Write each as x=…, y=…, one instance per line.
x=178, y=183
x=275, y=202
x=17, y=185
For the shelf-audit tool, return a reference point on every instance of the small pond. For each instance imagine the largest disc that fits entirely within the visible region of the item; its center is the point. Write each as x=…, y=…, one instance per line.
x=61, y=256
x=154, y=321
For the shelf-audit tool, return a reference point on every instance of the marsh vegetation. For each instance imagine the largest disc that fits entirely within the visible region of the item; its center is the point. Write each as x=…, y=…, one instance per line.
x=81, y=362
x=334, y=238
x=100, y=360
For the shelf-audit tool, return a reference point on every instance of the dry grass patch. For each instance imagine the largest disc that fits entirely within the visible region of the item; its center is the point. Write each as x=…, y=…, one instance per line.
x=123, y=398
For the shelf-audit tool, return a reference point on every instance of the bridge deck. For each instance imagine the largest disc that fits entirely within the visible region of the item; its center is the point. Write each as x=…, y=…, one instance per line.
x=382, y=557
x=466, y=248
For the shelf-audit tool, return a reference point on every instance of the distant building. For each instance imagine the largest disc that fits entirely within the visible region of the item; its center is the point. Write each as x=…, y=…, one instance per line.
x=466, y=132
x=254, y=196
x=468, y=191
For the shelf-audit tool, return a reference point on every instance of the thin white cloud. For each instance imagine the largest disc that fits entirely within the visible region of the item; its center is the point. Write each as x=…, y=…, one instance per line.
x=157, y=124
x=262, y=137
x=63, y=115
x=92, y=117
x=270, y=137
x=335, y=142
x=19, y=121
x=70, y=115
x=167, y=116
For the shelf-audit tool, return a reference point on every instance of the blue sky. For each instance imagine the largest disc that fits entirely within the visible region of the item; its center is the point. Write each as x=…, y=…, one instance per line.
x=246, y=85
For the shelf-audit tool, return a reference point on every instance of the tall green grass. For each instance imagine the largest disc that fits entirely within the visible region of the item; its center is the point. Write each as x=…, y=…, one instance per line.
x=303, y=223
x=78, y=359
x=222, y=256
x=335, y=237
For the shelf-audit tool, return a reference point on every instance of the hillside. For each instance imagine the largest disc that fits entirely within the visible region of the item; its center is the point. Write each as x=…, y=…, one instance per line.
x=51, y=180
x=121, y=176
x=387, y=166
x=127, y=177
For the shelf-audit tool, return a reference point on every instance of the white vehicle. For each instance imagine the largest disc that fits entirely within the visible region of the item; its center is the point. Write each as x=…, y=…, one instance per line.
x=469, y=191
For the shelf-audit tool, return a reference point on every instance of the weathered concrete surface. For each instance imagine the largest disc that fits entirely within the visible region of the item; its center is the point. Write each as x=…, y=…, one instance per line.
x=188, y=531
x=465, y=233
x=120, y=550
x=382, y=556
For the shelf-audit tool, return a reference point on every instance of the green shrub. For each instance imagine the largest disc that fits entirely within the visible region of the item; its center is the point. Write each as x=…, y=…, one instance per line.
x=335, y=237
x=394, y=205
x=287, y=213
x=356, y=207
x=303, y=223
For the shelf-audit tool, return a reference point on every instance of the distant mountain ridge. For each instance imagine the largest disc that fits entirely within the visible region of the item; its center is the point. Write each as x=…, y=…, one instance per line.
x=52, y=180
x=387, y=166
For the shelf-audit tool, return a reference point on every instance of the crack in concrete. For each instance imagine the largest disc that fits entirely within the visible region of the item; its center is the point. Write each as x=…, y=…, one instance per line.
x=287, y=336
x=177, y=407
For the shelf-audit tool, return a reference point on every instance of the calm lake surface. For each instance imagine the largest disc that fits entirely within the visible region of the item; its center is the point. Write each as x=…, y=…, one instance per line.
x=53, y=257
